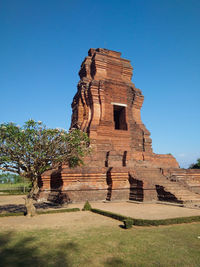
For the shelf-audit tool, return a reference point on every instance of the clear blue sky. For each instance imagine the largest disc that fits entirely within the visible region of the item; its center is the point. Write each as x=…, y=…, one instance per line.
x=43, y=43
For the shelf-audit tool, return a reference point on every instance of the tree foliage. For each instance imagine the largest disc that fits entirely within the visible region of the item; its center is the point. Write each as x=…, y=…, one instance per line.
x=10, y=178
x=195, y=165
x=34, y=148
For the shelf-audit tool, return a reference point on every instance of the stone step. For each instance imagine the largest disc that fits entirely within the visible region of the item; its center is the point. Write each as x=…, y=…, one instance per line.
x=168, y=189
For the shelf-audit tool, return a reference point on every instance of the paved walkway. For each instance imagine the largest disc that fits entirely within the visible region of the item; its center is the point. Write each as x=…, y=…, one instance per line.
x=141, y=211
x=147, y=211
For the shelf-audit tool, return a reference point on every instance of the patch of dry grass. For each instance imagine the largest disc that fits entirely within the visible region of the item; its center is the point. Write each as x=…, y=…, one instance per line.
x=175, y=245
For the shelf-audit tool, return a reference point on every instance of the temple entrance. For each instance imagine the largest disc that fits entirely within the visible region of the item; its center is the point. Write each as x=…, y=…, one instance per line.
x=119, y=113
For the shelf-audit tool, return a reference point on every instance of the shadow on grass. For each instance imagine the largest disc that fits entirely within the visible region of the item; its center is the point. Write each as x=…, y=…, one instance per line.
x=14, y=208
x=18, y=251
x=114, y=261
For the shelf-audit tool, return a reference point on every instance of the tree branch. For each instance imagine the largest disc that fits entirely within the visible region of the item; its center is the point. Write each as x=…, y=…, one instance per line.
x=8, y=170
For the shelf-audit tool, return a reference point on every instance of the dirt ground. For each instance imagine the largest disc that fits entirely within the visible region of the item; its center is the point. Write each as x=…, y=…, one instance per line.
x=84, y=220
x=147, y=211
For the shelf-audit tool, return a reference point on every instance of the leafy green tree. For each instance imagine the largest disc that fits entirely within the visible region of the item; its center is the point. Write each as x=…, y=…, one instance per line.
x=10, y=178
x=195, y=165
x=3, y=179
x=33, y=148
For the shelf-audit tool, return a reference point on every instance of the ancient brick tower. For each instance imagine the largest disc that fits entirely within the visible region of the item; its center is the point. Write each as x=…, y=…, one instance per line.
x=107, y=106
x=122, y=165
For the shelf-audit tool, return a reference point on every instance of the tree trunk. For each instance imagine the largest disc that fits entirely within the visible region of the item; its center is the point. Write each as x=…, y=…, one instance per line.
x=30, y=208
x=34, y=190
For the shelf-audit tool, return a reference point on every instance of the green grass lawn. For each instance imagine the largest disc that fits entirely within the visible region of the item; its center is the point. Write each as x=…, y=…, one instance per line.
x=175, y=245
x=7, y=185
x=18, y=188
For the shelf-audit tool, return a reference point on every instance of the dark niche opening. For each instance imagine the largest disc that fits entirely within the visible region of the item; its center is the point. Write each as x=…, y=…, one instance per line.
x=120, y=117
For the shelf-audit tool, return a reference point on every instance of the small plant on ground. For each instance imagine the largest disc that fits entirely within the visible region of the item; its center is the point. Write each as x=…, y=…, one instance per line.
x=87, y=206
x=128, y=223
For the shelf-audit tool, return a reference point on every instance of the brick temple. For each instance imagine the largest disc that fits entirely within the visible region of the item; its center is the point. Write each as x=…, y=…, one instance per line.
x=122, y=165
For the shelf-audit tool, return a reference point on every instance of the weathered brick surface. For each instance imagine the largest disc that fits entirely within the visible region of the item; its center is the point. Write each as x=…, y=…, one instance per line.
x=122, y=165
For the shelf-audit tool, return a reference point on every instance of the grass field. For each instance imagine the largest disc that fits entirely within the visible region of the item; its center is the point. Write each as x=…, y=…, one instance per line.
x=175, y=245
x=7, y=185
x=17, y=188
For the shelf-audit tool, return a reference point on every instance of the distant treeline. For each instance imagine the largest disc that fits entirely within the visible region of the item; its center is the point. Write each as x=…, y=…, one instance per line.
x=9, y=178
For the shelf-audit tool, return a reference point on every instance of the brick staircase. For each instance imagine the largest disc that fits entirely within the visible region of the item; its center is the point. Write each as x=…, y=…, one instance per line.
x=168, y=189
x=189, y=178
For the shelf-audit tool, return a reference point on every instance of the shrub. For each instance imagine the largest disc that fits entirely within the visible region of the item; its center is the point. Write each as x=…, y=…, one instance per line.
x=115, y=216
x=57, y=211
x=87, y=206
x=39, y=212
x=128, y=223
x=11, y=214
x=143, y=222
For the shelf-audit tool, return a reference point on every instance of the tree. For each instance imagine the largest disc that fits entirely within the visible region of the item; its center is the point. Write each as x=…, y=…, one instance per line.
x=10, y=178
x=33, y=148
x=195, y=165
